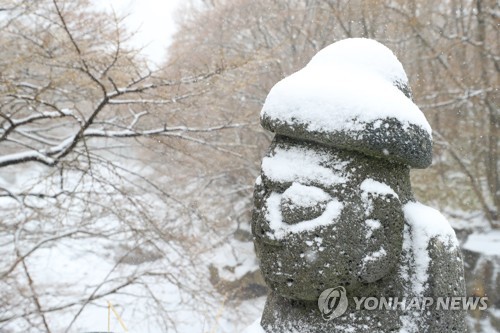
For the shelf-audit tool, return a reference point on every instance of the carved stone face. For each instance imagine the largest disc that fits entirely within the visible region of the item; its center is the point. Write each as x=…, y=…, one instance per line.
x=324, y=217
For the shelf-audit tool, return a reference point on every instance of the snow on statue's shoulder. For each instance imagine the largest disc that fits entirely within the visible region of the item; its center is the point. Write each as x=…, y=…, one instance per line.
x=426, y=223
x=353, y=94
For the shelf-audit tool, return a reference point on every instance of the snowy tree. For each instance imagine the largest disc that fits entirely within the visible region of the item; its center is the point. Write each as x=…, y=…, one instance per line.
x=91, y=207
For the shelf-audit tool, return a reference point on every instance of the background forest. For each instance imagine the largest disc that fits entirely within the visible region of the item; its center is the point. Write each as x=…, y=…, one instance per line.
x=130, y=184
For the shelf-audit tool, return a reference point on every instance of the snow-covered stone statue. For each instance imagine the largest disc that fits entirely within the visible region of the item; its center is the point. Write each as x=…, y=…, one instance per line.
x=334, y=206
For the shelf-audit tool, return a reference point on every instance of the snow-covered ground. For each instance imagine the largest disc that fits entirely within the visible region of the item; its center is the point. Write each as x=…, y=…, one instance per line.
x=82, y=251
x=487, y=243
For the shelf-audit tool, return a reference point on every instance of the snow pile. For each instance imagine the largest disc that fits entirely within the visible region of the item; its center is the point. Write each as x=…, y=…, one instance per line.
x=375, y=187
x=345, y=86
x=366, y=54
x=425, y=224
x=353, y=95
x=306, y=168
x=305, y=196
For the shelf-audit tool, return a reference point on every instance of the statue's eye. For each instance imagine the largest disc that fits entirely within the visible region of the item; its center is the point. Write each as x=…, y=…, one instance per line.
x=302, y=203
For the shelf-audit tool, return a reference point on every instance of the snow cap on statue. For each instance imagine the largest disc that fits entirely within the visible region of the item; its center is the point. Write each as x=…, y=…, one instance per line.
x=354, y=95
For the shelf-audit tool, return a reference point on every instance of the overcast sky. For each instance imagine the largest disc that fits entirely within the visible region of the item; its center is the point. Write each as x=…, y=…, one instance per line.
x=152, y=18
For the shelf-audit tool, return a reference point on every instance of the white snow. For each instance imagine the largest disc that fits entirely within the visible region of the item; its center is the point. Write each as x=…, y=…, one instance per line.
x=302, y=165
x=372, y=226
x=372, y=186
x=375, y=255
x=310, y=255
x=486, y=243
x=281, y=229
x=255, y=328
x=366, y=54
x=305, y=196
x=409, y=325
x=67, y=270
x=426, y=223
x=24, y=155
x=325, y=96
x=236, y=255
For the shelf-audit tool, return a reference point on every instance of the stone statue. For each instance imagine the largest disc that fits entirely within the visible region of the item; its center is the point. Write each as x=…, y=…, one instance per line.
x=334, y=205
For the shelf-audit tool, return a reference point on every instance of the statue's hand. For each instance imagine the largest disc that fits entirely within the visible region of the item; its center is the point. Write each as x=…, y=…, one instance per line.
x=383, y=225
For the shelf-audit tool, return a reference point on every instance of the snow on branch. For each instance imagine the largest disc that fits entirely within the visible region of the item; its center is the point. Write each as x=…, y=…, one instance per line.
x=132, y=88
x=53, y=154
x=25, y=156
x=40, y=102
x=158, y=131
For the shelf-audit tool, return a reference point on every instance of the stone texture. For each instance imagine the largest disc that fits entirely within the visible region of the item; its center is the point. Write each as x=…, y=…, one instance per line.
x=387, y=139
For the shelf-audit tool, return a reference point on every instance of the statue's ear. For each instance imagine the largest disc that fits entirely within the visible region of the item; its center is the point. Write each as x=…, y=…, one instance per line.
x=384, y=226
